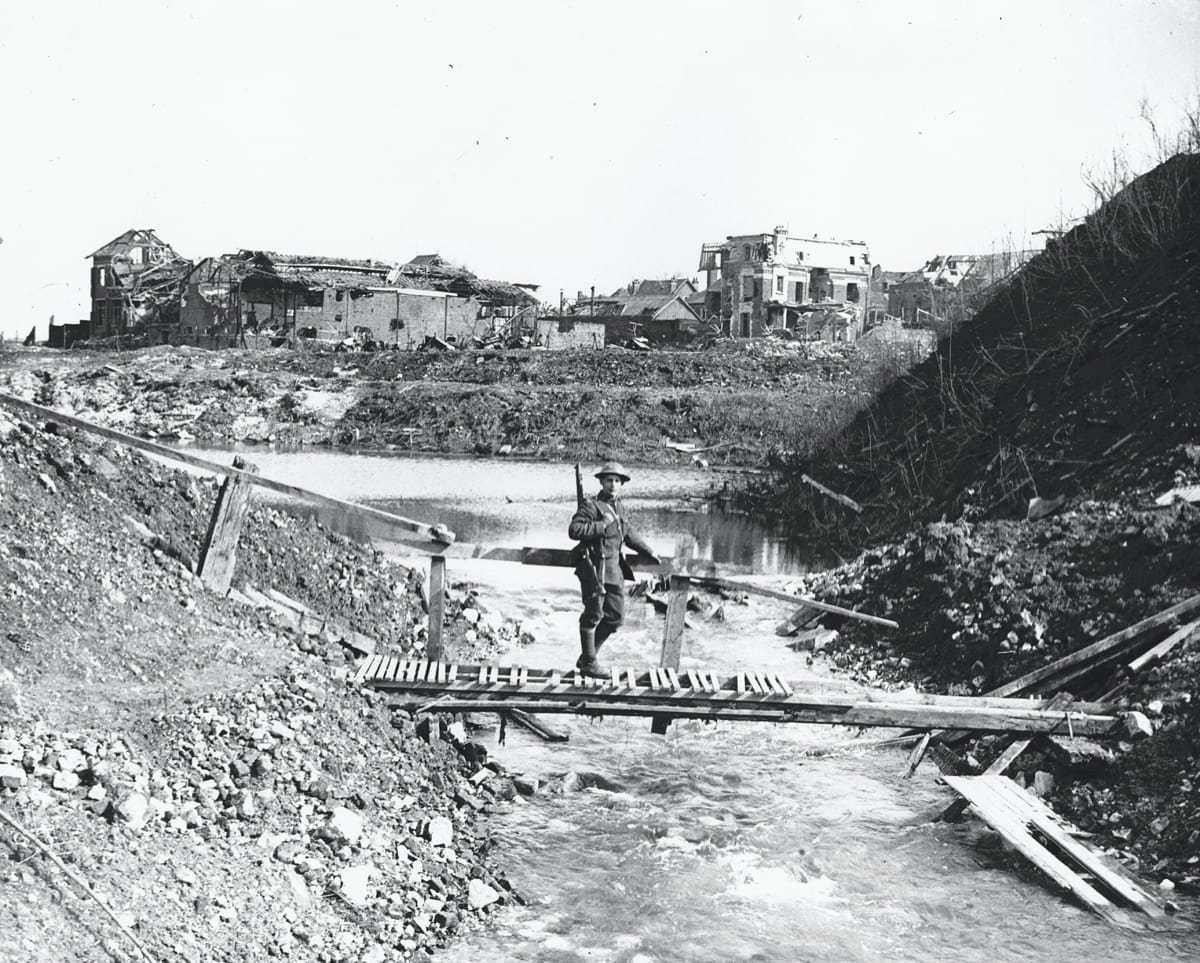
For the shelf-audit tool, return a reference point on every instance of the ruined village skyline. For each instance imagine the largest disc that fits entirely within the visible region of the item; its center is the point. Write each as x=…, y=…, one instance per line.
x=563, y=145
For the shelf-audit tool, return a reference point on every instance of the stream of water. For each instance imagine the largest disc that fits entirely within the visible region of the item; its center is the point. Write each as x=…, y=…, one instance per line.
x=716, y=842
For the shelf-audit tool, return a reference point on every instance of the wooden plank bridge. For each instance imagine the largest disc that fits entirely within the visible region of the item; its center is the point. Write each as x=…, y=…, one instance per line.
x=699, y=693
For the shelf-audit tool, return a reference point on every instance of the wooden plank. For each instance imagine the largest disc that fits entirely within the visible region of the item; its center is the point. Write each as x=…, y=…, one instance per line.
x=483, y=675
x=673, y=679
x=693, y=681
x=784, y=687
x=616, y=676
x=982, y=719
x=437, y=605
x=791, y=599
x=915, y=757
x=537, y=726
x=1157, y=653
x=1089, y=653
x=514, y=676
x=435, y=533
x=1047, y=822
x=838, y=497
x=999, y=816
x=524, y=677
x=741, y=682
x=218, y=553
x=673, y=629
x=366, y=668
x=452, y=674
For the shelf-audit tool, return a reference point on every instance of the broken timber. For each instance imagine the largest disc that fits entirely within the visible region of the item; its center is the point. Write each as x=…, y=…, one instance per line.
x=1017, y=816
x=697, y=693
x=218, y=556
x=438, y=536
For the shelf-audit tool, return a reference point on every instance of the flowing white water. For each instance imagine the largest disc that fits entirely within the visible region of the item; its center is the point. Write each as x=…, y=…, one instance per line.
x=714, y=842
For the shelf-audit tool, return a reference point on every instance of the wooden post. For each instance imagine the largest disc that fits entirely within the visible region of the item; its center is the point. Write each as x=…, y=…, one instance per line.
x=437, y=606
x=219, y=553
x=677, y=599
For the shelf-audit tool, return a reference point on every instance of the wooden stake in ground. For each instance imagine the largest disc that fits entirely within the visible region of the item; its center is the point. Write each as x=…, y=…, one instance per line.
x=76, y=880
x=437, y=605
x=219, y=554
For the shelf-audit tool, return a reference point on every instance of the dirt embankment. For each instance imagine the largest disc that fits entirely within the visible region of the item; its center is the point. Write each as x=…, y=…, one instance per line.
x=217, y=778
x=738, y=402
x=1010, y=493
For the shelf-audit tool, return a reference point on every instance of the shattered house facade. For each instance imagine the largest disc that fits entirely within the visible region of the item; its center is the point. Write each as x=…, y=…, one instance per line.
x=759, y=283
x=261, y=297
x=950, y=287
x=656, y=310
x=135, y=283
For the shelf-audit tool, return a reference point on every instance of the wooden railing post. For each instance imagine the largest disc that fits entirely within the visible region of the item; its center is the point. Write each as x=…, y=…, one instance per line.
x=218, y=556
x=677, y=599
x=437, y=606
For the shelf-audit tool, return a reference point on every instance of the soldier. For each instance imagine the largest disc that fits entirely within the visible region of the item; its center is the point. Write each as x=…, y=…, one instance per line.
x=600, y=527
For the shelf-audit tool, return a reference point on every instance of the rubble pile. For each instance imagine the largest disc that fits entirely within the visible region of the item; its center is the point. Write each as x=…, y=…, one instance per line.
x=212, y=773
x=981, y=602
x=561, y=404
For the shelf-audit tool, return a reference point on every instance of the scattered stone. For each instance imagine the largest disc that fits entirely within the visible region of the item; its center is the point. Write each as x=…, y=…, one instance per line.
x=440, y=831
x=12, y=776
x=133, y=809
x=1043, y=783
x=479, y=894
x=65, y=781
x=346, y=824
x=1137, y=725
x=354, y=884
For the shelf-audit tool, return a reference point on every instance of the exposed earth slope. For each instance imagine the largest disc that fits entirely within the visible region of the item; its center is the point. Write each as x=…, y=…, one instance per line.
x=1012, y=494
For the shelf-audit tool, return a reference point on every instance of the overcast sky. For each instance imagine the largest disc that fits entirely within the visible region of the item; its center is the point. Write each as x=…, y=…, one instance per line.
x=562, y=143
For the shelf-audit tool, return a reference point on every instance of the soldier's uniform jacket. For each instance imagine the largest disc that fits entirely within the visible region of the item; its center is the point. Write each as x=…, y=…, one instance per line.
x=600, y=527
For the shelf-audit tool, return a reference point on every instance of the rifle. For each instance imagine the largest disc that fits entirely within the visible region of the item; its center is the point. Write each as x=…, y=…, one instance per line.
x=578, y=486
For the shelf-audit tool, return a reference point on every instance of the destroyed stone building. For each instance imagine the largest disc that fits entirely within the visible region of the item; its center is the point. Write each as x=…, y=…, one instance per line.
x=949, y=287
x=658, y=311
x=139, y=283
x=260, y=296
x=760, y=283
x=135, y=281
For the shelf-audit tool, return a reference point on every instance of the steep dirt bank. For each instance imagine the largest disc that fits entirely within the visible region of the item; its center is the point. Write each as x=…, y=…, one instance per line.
x=216, y=777
x=739, y=402
x=1010, y=491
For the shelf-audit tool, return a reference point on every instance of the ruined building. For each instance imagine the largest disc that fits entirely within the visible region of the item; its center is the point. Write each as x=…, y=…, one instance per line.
x=657, y=310
x=950, y=287
x=139, y=284
x=135, y=283
x=262, y=296
x=758, y=283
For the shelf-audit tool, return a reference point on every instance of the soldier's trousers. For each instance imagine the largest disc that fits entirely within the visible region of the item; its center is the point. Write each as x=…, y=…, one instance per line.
x=603, y=611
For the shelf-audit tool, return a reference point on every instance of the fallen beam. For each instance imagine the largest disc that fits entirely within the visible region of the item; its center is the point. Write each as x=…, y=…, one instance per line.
x=434, y=533
x=841, y=499
x=536, y=726
x=1096, y=652
x=791, y=599
x=1156, y=654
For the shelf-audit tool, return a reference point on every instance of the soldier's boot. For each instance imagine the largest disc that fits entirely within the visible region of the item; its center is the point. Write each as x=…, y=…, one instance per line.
x=603, y=631
x=587, y=663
